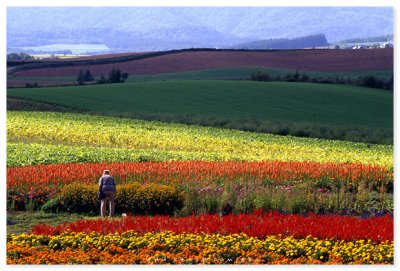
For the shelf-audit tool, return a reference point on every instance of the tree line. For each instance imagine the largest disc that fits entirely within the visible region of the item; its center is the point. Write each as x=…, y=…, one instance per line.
x=19, y=57
x=370, y=81
x=114, y=76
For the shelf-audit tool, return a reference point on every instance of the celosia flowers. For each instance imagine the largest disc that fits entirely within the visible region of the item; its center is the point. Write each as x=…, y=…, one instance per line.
x=257, y=224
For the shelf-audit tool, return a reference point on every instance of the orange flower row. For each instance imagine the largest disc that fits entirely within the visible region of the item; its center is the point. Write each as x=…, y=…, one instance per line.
x=197, y=170
x=19, y=254
x=167, y=247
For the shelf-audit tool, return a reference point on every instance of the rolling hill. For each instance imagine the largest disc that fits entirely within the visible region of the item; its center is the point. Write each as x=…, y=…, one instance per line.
x=302, y=109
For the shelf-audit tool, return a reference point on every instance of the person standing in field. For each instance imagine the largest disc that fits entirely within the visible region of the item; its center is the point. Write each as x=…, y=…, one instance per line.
x=107, y=190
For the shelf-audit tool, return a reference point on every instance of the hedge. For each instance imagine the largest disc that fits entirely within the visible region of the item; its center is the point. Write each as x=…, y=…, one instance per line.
x=133, y=198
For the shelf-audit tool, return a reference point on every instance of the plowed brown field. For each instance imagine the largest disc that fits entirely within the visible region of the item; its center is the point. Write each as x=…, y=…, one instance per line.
x=305, y=60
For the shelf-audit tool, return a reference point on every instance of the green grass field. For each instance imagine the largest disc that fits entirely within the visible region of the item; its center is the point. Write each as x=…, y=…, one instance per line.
x=327, y=110
x=300, y=102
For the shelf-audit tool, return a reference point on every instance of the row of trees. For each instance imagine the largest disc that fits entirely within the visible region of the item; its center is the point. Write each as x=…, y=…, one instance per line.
x=365, y=81
x=84, y=77
x=30, y=85
x=265, y=77
x=19, y=57
x=114, y=76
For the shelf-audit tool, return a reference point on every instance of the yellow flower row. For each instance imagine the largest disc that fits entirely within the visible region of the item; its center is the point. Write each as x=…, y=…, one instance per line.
x=148, y=198
x=209, y=248
x=229, y=144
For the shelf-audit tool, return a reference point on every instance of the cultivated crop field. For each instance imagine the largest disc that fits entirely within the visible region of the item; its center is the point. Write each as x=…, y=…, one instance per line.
x=195, y=194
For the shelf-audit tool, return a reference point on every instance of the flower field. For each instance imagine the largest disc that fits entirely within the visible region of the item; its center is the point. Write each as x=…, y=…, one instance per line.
x=170, y=248
x=84, y=130
x=244, y=239
x=257, y=224
x=231, y=196
x=41, y=182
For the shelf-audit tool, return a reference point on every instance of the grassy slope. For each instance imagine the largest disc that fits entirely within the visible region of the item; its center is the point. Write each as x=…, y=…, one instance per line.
x=277, y=101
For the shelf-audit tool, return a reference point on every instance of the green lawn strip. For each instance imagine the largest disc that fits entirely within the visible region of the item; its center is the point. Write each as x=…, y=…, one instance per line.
x=19, y=222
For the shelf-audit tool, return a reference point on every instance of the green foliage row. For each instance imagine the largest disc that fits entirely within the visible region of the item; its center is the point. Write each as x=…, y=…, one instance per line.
x=132, y=197
x=298, y=199
x=23, y=154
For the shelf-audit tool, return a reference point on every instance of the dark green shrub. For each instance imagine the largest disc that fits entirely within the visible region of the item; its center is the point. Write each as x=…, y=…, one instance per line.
x=369, y=81
x=226, y=209
x=102, y=80
x=193, y=203
x=260, y=76
x=212, y=204
x=52, y=206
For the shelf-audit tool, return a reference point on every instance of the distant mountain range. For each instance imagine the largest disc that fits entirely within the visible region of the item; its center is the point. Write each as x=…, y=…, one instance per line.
x=164, y=28
x=297, y=43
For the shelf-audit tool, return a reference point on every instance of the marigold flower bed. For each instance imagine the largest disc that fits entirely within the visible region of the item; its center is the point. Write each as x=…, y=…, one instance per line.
x=167, y=247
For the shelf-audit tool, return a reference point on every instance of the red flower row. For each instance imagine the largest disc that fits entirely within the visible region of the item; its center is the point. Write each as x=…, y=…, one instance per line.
x=257, y=224
x=204, y=172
